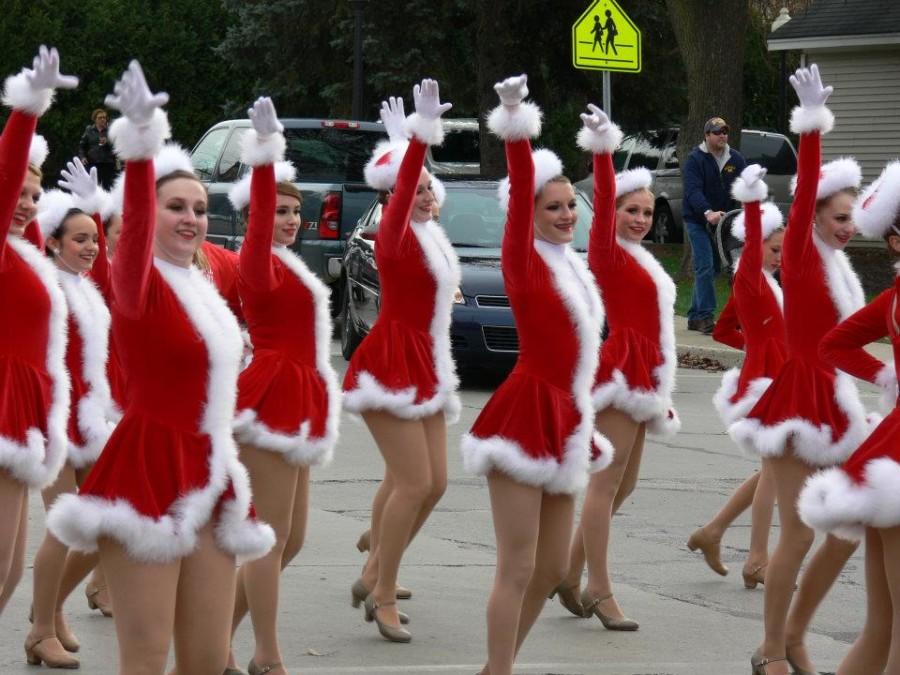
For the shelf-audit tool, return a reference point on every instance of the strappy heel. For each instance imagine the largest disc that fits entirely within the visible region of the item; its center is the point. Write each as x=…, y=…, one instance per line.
x=591, y=606
x=392, y=633
x=35, y=655
x=754, y=577
x=359, y=593
x=253, y=669
x=759, y=663
x=569, y=599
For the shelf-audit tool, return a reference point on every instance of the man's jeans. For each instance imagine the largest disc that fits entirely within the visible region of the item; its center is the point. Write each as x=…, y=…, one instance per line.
x=703, y=302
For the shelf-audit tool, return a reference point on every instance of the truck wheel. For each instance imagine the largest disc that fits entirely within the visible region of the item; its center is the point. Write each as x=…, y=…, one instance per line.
x=350, y=338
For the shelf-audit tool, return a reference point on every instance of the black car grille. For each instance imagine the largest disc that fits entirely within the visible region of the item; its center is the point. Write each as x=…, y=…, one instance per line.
x=501, y=338
x=458, y=342
x=492, y=301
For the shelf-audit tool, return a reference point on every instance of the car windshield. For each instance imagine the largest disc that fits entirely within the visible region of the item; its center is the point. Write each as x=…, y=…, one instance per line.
x=329, y=154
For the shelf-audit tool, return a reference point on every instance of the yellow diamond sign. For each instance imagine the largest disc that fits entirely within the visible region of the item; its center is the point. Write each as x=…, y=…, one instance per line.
x=604, y=38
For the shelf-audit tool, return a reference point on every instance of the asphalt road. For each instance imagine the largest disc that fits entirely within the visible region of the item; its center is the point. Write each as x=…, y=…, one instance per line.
x=692, y=621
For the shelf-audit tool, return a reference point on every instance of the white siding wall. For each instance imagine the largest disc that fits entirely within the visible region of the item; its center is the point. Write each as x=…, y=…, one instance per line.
x=866, y=105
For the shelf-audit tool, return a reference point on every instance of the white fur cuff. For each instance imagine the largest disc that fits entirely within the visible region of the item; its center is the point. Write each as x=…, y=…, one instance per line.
x=258, y=151
x=887, y=381
x=599, y=143
x=744, y=193
x=429, y=131
x=95, y=202
x=515, y=124
x=807, y=120
x=19, y=94
x=139, y=142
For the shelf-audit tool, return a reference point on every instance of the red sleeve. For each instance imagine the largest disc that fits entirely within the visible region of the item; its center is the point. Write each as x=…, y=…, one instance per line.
x=396, y=216
x=749, y=273
x=843, y=345
x=602, y=246
x=518, y=238
x=727, y=330
x=256, y=267
x=100, y=272
x=134, y=252
x=798, y=237
x=15, y=143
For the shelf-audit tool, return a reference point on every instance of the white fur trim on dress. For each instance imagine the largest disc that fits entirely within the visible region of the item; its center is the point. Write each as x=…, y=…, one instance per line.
x=878, y=206
x=427, y=129
x=834, y=176
x=633, y=179
x=816, y=118
x=515, y=123
x=607, y=453
x=300, y=447
x=843, y=285
x=653, y=406
x=571, y=278
x=745, y=193
x=239, y=194
x=52, y=208
x=37, y=459
x=80, y=521
x=772, y=219
x=547, y=165
x=38, y=151
x=731, y=411
x=887, y=382
x=599, y=142
x=383, y=167
x=775, y=287
x=96, y=412
x=19, y=94
x=257, y=150
x=132, y=141
x=370, y=394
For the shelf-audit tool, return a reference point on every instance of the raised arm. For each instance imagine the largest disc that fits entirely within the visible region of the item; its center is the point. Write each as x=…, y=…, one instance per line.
x=263, y=145
x=601, y=137
x=90, y=198
x=750, y=190
x=137, y=136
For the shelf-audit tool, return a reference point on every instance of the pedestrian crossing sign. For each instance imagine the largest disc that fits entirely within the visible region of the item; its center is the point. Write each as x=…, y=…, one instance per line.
x=604, y=38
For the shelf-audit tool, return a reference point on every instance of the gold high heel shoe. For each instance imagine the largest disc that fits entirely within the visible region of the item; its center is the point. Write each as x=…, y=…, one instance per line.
x=95, y=602
x=797, y=669
x=710, y=549
x=754, y=577
x=253, y=669
x=36, y=652
x=392, y=633
x=759, y=662
x=359, y=593
x=569, y=600
x=591, y=606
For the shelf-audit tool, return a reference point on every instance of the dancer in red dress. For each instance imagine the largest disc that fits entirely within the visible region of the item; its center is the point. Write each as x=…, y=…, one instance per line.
x=752, y=320
x=34, y=384
x=809, y=417
x=861, y=497
x=289, y=399
x=168, y=502
x=633, y=388
x=533, y=439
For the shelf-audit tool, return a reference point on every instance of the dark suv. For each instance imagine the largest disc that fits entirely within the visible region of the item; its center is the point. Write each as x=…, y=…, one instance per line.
x=329, y=156
x=655, y=150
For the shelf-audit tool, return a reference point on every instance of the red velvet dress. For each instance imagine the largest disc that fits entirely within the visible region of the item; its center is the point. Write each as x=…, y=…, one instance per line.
x=34, y=384
x=808, y=404
x=637, y=366
x=288, y=397
x=538, y=426
x=223, y=267
x=865, y=491
x=404, y=365
x=756, y=306
x=171, y=464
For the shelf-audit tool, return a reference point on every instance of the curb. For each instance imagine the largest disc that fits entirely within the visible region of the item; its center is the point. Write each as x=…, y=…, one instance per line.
x=728, y=358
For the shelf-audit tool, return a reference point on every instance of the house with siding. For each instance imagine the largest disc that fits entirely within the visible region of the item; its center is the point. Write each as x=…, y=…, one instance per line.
x=856, y=44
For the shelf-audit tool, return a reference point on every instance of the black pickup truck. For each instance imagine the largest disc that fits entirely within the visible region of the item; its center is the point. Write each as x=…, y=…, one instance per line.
x=329, y=156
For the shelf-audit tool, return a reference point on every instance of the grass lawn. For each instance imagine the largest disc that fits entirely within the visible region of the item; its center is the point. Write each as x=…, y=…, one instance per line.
x=669, y=255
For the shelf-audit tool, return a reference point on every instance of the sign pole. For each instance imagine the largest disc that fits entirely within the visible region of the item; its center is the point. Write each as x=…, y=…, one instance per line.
x=607, y=94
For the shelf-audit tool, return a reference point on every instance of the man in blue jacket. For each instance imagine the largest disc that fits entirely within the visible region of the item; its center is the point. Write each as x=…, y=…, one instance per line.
x=708, y=173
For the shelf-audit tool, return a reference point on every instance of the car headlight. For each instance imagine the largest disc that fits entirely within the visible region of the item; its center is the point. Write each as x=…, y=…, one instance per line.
x=458, y=297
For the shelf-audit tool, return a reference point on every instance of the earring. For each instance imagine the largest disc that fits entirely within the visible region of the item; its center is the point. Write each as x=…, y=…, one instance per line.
x=55, y=251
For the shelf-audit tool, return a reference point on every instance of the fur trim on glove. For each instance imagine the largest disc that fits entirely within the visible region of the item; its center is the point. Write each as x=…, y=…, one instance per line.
x=383, y=167
x=429, y=131
x=807, y=120
x=20, y=95
x=97, y=202
x=744, y=193
x=139, y=142
x=877, y=208
x=54, y=206
x=239, y=194
x=37, y=153
x=547, y=165
x=633, y=179
x=515, y=124
x=772, y=219
x=599, y=143
x=257, y=151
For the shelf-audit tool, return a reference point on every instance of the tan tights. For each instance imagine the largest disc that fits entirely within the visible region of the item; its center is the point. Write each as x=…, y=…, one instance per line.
x=13, y=532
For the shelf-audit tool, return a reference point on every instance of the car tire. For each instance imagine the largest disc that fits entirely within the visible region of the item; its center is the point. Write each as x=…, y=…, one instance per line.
x=662, y=231
x=350, y=338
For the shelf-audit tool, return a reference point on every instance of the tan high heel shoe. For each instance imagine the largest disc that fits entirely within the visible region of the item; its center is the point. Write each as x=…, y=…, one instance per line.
x=38, y=651
x=591, y=606
x=95, y=601
x=710, y=549
x=759, y=662
x=64, y=634
x=797, y=669
x=364, y=542
x=359, y=593
x=392, y=633
x=253, y=669
x=569, y=599
x=754, y=577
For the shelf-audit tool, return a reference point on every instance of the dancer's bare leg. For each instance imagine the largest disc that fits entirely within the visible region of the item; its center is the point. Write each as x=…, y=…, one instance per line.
x=13, y=531
x=761, y=520
x=739, y=501
x=890, y=539
x=78, y=566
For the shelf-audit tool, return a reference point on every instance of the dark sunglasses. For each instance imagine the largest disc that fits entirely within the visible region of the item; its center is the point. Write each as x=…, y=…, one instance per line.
x=719, y=132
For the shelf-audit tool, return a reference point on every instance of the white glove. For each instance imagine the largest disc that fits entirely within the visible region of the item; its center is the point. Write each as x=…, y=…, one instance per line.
x=77, y=180
x=597, y=121
x=394, y=118
x=133, y=97
x=264, y=118
x=44, y=73
x=808, y=84
x=752, y=174
x=427, y=99
x=513, y=90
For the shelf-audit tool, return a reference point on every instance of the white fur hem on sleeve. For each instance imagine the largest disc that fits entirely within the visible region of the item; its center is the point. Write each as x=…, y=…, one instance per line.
x=96, y=202
x=515, y=124
x=139, y=142
x=599, y=143
x=19, y=94
x=807, y=120
x=258, y=151
x=745, y=193
x=429, y=131
x=887, y=381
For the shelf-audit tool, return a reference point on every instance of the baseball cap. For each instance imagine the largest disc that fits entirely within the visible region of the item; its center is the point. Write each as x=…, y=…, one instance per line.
x=714, y=124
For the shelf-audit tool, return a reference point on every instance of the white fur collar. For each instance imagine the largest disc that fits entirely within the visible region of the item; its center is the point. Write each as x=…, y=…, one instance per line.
x=843, y=285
